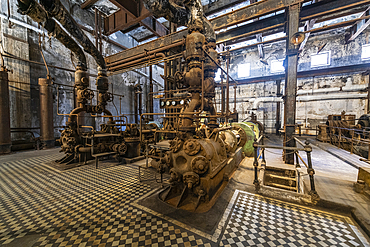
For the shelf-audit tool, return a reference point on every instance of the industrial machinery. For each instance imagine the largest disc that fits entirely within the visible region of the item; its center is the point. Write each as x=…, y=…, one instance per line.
x=75, y=142
x=203, y=153
x=342, y=130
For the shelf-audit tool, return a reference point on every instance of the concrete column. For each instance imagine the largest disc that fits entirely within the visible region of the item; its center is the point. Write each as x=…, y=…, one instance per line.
x=291, y=81
x=46, y=112
x=5, y=136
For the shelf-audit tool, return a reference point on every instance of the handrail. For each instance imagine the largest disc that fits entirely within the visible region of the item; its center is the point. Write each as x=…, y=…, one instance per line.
x=306, y=147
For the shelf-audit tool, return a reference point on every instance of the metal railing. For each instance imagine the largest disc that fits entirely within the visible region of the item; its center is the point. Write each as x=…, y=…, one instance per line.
x=348, y=138
x=259, y=144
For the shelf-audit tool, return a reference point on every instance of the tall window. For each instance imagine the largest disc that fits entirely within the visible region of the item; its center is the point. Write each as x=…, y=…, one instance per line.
x=244, y=70
x=321, y=59
x=365, y=55
x=277, y=66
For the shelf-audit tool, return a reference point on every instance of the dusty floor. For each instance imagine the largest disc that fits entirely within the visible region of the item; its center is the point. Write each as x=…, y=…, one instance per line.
x=40, y=206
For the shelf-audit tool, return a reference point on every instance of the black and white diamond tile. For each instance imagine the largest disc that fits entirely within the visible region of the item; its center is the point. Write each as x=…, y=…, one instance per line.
x=81, y=207
x=98, y=207
x=259, y=221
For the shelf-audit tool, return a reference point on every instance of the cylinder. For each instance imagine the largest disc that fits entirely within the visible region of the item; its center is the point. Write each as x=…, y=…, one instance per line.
x=5, y=138
x=46, y=113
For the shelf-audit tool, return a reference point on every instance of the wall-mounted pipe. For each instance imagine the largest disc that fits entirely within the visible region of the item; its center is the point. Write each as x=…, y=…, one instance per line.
x=307, y=98
x=38, y=14
x=56, y=9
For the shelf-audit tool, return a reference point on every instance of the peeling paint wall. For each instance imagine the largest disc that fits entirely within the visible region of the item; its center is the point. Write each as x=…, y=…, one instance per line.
x=320, y=96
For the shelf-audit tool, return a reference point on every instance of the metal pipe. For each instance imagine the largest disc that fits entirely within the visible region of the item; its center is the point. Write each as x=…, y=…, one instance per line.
x=56, y=9
x=218, y=65
x=46, y=112
x=235, y=97
x=227, y=84
x=147, y=53
x=222, y=94
x=153, y=114
x=5, y=137
x=137, y=61
x=34, y=10
x=43, y=58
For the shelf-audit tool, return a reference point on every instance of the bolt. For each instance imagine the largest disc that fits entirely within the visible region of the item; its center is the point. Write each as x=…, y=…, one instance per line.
x=201, y=167
x=190, y=184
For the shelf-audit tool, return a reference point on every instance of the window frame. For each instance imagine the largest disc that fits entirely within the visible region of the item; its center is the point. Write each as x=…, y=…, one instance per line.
x=321, y=53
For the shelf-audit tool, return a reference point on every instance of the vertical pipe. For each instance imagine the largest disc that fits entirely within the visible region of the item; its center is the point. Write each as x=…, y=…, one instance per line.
x=227, y=84
x=235, y=87
x=255, y=164
x=46, y=112
x=5, y=136
x=135, y=106
x=140, y=104
x=222, y=94
x=151, y=89
x=278, y=123
x=368, y=95
x=311, y=172
x=100, y=32
x=96, y=27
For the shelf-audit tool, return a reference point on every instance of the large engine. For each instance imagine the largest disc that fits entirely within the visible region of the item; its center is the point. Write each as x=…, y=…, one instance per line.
x=199, y=168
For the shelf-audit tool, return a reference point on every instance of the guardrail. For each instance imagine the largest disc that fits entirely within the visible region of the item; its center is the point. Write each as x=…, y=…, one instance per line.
x=259, y=143
x=340, y=136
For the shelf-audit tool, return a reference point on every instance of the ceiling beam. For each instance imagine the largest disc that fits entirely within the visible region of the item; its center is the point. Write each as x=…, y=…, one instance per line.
x=88, y=4
x=146, y=37
x=157, y=28
x=129, y=29
x=308, y=73
x=308, y=12
x=251, y=12
x=358, y=27
x=219, y=5
x=123, y=19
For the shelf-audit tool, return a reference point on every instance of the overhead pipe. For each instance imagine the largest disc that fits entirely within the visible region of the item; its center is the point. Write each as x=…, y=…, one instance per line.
x=136, y=57
x=307, y=98
x=56, y=9
x=34, y=10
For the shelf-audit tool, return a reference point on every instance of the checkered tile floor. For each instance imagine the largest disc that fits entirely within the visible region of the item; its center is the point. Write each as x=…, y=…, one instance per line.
x=81, y=207
x=259, y=221
x=96, y=207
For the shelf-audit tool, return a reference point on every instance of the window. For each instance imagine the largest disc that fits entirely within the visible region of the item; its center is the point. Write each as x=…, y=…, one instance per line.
x=244, y=70
x=365, y=55
x=277, y=66
x=218, y=75
x=321, y=59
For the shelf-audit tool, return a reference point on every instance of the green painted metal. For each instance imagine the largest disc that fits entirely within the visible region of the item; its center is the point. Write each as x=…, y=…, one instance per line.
x=252, y=132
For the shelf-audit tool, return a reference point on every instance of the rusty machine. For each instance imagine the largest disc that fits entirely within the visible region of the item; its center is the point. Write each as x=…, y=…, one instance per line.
x=343, y=131
x=201, y=157
x=75, y=142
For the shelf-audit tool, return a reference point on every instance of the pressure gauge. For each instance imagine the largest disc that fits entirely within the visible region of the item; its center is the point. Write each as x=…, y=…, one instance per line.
x=162, y=103
x=173, y=103
x=168, y=103
x=182, y=102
